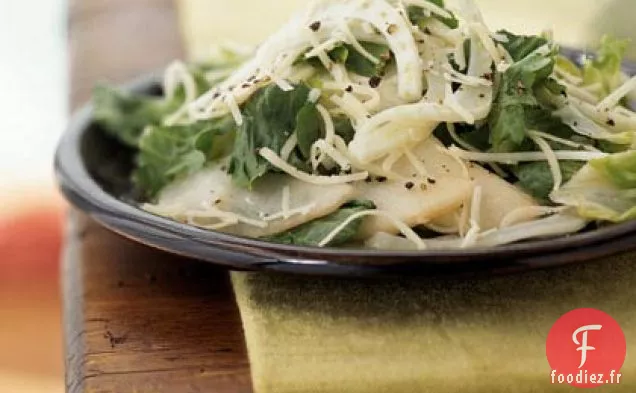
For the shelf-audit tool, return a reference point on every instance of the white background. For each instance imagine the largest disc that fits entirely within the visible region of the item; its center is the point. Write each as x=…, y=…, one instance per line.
x=33, y=90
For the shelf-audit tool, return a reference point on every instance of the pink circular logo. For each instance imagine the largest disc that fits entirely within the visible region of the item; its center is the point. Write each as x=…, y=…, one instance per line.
x=586, y=348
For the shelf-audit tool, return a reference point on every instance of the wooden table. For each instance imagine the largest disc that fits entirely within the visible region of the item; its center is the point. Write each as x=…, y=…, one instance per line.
x=137, y=319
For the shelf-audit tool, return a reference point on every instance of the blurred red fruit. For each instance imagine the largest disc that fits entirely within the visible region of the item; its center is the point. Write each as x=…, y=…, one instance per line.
x=30, y=242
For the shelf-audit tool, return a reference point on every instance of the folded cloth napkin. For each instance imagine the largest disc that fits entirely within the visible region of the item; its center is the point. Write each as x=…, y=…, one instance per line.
x=328, y=335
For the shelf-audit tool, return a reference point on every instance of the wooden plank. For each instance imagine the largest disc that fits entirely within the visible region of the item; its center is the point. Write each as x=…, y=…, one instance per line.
x=138, y=319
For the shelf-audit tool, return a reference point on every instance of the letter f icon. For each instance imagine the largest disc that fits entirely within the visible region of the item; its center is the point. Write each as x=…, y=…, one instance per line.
x=583, y=344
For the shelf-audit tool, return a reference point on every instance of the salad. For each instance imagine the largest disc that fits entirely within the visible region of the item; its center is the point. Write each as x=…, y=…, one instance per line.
x=389, y=124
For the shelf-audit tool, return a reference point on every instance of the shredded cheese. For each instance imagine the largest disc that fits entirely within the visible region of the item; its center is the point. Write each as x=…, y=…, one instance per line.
x=465, y=79
x=489, y=44
x=430, y=6
x=234, y=108
x=177, y=116
x=281, y=83
x=451, y=153
x=553, y=161
x=399, y=224
x=467, y=146
x=226, y=217
x=464, y=218
x=303, y=211
x=617, y=95
x=352, y=107
x=451, y=230
x=390, y=160
x=506, y=61
x=177, y=74
x=319, y=50
x=374, y=99
x=419, y=166
x=322, y=148
x=323, y=48
x=279, y=163
x=330, y=130
x=595, y=88
x=528, y=213
x=351, y=39
x=314, y=95
x=514, y=158
x=564, y=142
x=500, y=37
x=578, y=92
x=460, y=56
x=215, y=76
x=451, y=102
x=475, y=216
x=289, y=146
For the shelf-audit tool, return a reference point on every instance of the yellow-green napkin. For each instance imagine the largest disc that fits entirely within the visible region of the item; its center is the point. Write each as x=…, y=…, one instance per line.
x=327, y=335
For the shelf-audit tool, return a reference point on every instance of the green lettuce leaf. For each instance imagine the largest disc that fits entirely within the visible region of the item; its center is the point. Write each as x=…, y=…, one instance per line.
x=605, y=68
x=269, y=118
x=309, y=127
x=168, y=153
x=354, y=61
x=569, y=66
x=536, y=178
x=360, y=65
x=124, y=115
x=524, y=99
x=619, y=168
x=521, y=46
x=604, y=189
x=344, y=128
x=419, y=17
x=312, y=233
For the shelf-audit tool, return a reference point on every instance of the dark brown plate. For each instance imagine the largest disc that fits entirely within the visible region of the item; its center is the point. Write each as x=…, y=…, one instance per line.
x=93, y=172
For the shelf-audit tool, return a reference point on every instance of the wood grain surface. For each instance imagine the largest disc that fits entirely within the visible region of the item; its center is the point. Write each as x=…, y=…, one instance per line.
x=137, y=319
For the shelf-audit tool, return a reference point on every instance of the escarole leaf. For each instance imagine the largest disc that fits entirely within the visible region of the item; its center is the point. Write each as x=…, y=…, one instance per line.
x=168, y=153
x=357, y=63
x=420, y=17
x=516, y=107
x=309, y=127
x=124, y=115
x=605, y=189
x=313, y=232
x=344, y=128
x=521, y=46
x=536, y=179
x=354, y=61
x=270, y=117
x=605, y=68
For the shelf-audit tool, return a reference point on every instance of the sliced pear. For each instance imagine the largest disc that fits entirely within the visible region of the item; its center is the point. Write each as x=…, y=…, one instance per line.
x=414, y=206
x=212, y=189
x=439, y=202
x=410, y=203
x=498, y=196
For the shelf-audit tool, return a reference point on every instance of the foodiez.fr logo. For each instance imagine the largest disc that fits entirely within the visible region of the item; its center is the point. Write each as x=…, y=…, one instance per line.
x=586, y=348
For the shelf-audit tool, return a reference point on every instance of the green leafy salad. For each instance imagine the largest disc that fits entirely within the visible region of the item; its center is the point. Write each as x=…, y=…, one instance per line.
x=387, y=124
